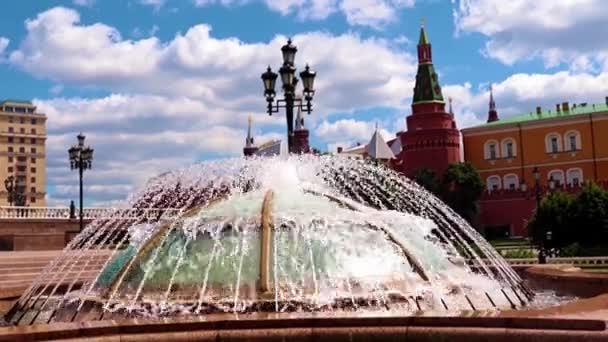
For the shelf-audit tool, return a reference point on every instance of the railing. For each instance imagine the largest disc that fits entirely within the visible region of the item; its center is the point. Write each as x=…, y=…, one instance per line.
x=88, y=213
x=587, y=262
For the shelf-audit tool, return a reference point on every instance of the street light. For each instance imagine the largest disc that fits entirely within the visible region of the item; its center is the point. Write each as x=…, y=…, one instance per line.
x=15, y=193
x=81, y=158
x=537, y=191
x=290, y=81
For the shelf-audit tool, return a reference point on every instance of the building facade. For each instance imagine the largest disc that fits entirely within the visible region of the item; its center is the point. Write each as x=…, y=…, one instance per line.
x=565, y=144
x=23, y=151
x=432, y=140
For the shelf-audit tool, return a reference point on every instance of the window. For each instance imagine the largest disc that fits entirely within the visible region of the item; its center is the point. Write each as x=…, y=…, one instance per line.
x=557, y=176
x=33, y=200
x=10, y=139
x=21, y=168
x=33, y=121
x=22, y=130
x=508, y=148
x=33, y=140
x=10, y=119
x=554, y=148
x=21, y=159
x=10, y=129
x=22, y=149
x=553, y=143
x=32, y=169
x=493, y=183
x=574, y=177
x=511, y=181
x=573, y=140
x=10, y=159
x=33, y=131
x=33, y=160
x=10, y=148
x=33, y=150
x=21, y=120
x=490, y=150
x=33, y=189
x=33, y=180
x=22, y=140
x=10, y=169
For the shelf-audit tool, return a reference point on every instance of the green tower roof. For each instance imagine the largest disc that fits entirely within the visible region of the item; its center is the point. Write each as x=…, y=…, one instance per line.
x=423, y=37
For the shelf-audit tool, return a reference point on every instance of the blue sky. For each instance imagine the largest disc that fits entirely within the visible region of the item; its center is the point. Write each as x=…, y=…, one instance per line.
x=160, y=84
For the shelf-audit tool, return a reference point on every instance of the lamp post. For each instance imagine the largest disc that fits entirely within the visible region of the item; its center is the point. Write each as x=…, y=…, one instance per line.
x=537, y=191
x=15, y=194
x=81, y=158
x=290, y=81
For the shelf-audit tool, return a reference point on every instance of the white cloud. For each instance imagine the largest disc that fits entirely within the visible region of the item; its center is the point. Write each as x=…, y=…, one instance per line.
x=156, y=4
x=85, y=3
x=3, y=44
x=556, y=31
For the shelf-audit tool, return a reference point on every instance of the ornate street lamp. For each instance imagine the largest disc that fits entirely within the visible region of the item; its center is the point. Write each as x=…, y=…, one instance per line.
x=81, y=158
x=290, y=81
x=541, y=252
x=14, y=192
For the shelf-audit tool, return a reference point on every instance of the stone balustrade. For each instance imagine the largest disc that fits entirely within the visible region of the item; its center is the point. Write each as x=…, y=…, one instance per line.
x=587, y=262
x=88, y=213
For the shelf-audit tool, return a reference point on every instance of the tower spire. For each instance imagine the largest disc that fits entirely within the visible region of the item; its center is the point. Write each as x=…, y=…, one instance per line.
x=451, y=111
x=249, y=149
x=427, y=89
x=492, y=113
x=249, y=139
x=300, y=120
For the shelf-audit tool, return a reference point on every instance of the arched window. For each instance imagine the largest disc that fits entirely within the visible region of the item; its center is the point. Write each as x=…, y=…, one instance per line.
x=509, y=148
x=491, y=150
x=557, y=176
x=572, y=140
x=493, y=183
x=574, y=176
x=511, y=181
x=553, y=143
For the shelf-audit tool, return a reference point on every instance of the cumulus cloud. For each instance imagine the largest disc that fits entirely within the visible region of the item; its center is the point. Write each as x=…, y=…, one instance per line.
x=371, y=13
x=558, y=32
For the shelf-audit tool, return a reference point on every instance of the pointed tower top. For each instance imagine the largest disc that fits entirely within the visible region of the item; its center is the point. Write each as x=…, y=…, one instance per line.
x=299, y=120
x=249, y=139
x=492, y=113
x=492, y=103
x=424, y=40
x=450, y=101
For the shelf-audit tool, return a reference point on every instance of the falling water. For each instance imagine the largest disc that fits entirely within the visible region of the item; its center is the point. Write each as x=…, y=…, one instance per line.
x=346, y=235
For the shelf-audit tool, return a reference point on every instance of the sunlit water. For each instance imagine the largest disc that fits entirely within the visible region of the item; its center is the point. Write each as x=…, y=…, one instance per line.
x=341, y=228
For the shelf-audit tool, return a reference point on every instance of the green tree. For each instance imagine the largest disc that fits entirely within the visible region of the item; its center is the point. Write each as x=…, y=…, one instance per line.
x=555, y=214
x=461, y=188
x=590, y=212
x=428, y=180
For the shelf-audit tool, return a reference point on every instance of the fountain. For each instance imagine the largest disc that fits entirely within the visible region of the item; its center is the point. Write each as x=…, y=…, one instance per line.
x=282, y=234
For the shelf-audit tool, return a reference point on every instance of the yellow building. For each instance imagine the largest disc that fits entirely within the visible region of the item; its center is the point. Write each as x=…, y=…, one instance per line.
x=566, y=144
x=22, y=151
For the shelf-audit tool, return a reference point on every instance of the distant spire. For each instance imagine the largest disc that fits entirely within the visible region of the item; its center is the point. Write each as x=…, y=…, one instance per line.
x=376, y=125
x=450, y=101
x=249, y=139
x=492, y=113
x=299, y=119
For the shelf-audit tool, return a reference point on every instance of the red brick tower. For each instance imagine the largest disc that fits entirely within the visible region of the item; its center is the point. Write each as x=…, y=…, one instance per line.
x=300, y=135
x=250, y=148
x=432, y=140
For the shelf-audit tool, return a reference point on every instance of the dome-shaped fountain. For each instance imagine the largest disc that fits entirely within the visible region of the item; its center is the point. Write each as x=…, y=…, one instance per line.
x=275, y=234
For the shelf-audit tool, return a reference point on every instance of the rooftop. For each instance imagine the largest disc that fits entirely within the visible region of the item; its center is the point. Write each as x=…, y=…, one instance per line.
x=18, y=102
x=575, y=110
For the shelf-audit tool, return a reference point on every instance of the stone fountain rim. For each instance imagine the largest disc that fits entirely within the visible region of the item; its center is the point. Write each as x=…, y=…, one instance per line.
x=307, y=324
